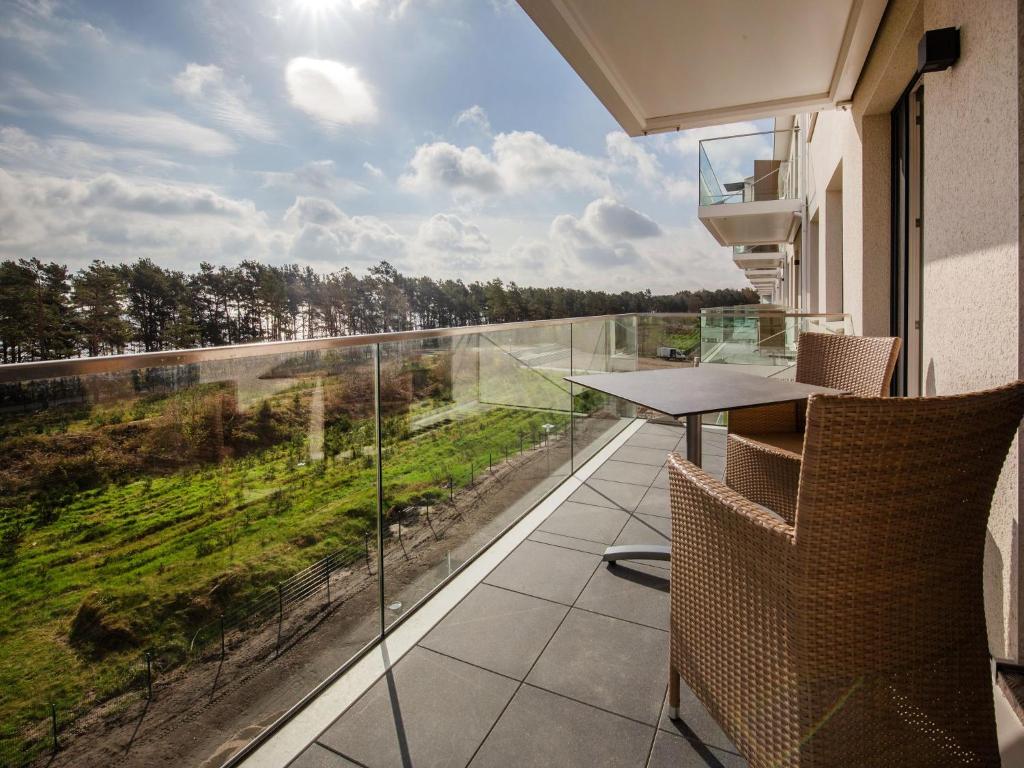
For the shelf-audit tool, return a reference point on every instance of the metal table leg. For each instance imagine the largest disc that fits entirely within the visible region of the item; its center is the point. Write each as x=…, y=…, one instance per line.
x=659, y=551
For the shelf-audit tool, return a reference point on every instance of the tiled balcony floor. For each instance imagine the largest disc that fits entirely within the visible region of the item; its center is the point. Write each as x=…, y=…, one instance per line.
x=553, y=660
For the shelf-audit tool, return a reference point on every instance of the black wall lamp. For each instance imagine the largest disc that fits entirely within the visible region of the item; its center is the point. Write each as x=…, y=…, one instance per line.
x=938, y=50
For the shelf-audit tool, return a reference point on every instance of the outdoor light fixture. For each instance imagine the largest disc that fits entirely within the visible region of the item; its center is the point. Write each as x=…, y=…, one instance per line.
x=938, y=50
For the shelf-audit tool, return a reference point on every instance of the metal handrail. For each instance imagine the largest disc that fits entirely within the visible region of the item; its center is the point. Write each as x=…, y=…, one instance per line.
x=80, y=366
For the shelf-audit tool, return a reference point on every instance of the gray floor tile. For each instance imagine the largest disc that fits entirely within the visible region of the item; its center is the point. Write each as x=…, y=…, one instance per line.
x=663, y=442
x=630, y=590
x=695, y=722
x=675, y=752
x=569, y=542
x=608, y=493
x=608, y=663
x=646, y=529
x=316, y=756
x=540, y=729
x=661, y=481
x=496, y=629
x=640, y=455
x=585, y=521
x=651, y=428
x=655, y=502
x=430, y=710
x=626, y=472
x=554, y=573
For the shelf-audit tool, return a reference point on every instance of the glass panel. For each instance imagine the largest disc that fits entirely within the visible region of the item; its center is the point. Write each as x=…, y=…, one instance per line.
x=177, y=527
x=600, y=346
x=746, y=168
x=475, y=433
x=763, y=340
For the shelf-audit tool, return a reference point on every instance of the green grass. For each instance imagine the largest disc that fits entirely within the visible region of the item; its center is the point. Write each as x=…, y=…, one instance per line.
x=163, y=554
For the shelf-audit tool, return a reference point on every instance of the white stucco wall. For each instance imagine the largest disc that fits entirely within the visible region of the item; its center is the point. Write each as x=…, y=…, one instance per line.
x=971, y=319
x=972, y=219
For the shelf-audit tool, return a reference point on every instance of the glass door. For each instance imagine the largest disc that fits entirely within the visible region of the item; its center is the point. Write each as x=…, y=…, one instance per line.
x=907, y=230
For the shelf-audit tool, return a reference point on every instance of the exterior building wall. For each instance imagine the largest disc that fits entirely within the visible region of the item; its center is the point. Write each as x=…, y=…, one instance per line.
x=971, y=329
x=971, y=321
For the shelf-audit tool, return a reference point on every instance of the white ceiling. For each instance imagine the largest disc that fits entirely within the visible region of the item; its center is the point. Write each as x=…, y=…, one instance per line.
x=669, y=64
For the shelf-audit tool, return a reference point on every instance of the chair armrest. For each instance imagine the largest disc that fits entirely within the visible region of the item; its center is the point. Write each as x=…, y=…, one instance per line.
x=699, y=498
x=765, y=474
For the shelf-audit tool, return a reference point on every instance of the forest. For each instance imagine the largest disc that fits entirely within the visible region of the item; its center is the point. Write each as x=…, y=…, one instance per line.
x=48, y=311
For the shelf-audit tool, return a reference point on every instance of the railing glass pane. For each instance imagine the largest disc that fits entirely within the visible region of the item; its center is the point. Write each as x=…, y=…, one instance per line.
x=475, y=433
x=175, y=530
x=600, y=346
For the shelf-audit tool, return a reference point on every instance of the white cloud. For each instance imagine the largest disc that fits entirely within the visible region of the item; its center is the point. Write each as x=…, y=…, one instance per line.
x=475, y=117
x=116, y=218
x=153, y=128
x=529, y=162
x=519, y=163
x=633, y=157
x=373, y=170
x=316, y=177
x=62, y=155
x=602, y=236
x=323, y=233
x=444, y=166
x=330, y=92
x=448, y=233
x=223, y=99
x=616, y=221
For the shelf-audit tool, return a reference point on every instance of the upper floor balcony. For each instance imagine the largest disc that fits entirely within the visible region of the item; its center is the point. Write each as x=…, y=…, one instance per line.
x=749, y=188
x=757, y=256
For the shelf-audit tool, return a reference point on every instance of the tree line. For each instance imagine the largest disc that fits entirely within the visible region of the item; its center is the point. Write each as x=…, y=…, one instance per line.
x=48, y=311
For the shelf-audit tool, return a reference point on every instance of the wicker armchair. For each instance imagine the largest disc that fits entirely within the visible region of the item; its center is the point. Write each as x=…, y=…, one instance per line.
x=855, y=636
x=764, y=446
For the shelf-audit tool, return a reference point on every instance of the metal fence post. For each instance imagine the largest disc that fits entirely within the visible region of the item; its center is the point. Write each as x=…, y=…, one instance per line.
x=327, y=578
x=451, y=489
x=149, y=676
x=520, y=443
x=223, y=647
x=280, y=617
x=490, y=464
x=53, y=725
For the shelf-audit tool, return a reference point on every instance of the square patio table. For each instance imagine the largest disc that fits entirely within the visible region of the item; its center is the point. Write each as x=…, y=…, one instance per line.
x=689, y=393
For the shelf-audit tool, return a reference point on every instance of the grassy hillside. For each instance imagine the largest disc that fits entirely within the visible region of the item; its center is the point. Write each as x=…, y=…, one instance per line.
x=129, y=524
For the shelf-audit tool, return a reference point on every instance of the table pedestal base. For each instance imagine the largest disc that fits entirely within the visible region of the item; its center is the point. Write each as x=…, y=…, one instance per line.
x=659, y=551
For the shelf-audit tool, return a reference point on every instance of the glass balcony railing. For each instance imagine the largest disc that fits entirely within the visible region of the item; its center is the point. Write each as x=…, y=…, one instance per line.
x=746, y=168
x=171, y=522
x=763, y=338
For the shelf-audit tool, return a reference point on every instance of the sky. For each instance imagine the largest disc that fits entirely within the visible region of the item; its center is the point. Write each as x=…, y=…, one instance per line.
x=447, y=137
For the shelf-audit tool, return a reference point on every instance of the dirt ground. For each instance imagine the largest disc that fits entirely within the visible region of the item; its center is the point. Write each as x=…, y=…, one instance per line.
x=203, y=713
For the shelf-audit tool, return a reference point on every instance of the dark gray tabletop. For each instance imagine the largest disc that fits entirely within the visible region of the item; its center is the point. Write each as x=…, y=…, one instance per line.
x=690, y=391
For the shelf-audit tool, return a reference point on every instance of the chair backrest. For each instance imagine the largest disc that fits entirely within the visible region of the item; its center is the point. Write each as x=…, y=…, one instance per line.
x=891, y=516
x=861, y=365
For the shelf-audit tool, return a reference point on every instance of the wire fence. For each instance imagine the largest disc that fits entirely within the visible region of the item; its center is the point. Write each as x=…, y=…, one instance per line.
x=266, y=624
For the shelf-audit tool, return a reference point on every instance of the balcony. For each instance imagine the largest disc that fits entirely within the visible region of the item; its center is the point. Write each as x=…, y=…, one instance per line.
x=748, y=257
x=410, y=575
x=749, y=190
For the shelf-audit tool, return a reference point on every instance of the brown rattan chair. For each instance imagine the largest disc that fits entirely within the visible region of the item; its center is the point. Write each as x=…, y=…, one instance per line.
x=855, y=636
x=762, y=458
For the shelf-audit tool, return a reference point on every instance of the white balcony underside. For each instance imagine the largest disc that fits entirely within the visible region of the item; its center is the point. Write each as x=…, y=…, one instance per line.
x=677, y=64
x=758, y=261
x=762, y=222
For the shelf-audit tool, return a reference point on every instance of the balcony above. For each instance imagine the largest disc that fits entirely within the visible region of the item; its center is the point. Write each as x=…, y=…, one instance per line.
x=749, y=190
x=757, y=256
x=681, y=63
